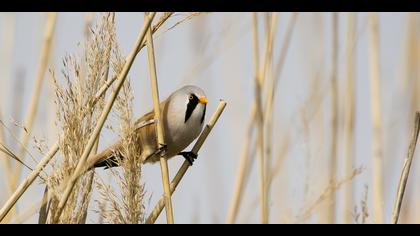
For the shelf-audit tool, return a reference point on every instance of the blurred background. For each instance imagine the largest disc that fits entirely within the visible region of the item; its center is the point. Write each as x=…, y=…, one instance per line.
x=330, y=96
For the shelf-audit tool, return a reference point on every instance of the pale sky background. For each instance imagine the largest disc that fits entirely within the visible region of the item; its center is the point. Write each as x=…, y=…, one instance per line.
x=223, y=42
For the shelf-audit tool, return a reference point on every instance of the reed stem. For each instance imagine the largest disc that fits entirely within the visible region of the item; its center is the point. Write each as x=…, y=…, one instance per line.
x=406, y=170
x=376, y=118
x=160, y=132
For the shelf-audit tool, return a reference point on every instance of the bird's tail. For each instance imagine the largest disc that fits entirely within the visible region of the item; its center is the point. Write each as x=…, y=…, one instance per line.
x=107, y=158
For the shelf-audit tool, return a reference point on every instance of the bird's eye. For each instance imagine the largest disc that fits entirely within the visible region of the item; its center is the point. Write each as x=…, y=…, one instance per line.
x=190, y=97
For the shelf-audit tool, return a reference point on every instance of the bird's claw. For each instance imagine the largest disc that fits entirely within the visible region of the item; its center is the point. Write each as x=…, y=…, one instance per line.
x=189, y=156
x=163, y=147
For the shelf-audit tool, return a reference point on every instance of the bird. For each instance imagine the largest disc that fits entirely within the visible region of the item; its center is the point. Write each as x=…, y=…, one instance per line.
x=182, y=117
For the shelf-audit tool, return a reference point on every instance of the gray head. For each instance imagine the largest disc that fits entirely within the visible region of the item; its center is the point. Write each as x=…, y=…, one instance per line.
x=186, y=111
x=191, y=103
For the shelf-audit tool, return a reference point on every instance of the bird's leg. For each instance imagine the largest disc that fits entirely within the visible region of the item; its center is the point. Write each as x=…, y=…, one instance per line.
x=189, y=156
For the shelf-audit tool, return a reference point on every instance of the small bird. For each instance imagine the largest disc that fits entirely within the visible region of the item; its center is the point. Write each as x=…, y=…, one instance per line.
x=182, y=117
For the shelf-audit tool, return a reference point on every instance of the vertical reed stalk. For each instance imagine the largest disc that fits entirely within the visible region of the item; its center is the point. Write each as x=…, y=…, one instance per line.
x=334, y=118
x=8, y=44
x=406, y=170
x=259, y=122
x=349, y=115
x=242, y=170
x=416, y=95
x=159, y=126
x=16, y=102
x=376, y=117
x=6, y=170
x=268, y=108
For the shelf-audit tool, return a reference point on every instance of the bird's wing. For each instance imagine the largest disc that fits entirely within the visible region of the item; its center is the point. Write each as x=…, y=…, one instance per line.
x=147, y=119
x=107, y=157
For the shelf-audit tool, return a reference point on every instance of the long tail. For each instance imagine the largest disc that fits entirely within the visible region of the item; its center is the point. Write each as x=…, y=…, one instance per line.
x=107, y=158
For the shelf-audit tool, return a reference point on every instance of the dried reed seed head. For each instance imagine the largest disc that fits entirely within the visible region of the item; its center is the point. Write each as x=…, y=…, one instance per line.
x=77, y=118
x=128, y=205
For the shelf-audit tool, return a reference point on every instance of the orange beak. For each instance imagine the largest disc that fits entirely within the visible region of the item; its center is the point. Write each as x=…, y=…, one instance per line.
x=203, y=100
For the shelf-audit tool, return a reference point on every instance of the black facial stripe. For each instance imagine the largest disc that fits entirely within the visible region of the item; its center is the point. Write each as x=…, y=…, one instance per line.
x=204, y=114
x=192, y=104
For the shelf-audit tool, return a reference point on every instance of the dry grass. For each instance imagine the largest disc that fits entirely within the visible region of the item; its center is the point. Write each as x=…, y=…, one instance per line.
x=81, y=165
x=305, y=152
x=76, y=124
x=308, y=210
x=128, y=206
x=362, y=216
x=54, y=148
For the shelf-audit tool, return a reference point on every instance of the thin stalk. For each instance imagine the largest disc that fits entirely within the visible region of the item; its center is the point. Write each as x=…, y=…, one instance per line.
x=242, y=171
x=16, y=104
x=334, y=117
x=376, y=117
x=274, y=171
x=27, y=182
x=90, y=184
x=5, y=161
x=6, y=170
x=285, y=46
x=349, y=115
x=406, y=170
x=306, y=211
x=33, y=107
x=268, y=109
x=8, y=46
x=159, y=23
x=160, y=132
x=81, y=165
x=259, y=121
x=183, y=169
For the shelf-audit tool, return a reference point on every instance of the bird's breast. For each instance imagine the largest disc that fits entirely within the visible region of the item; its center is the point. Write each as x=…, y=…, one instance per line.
x=180, y=135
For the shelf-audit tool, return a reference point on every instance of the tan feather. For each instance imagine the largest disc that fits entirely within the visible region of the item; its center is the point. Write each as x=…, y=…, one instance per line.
x=146, y=133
